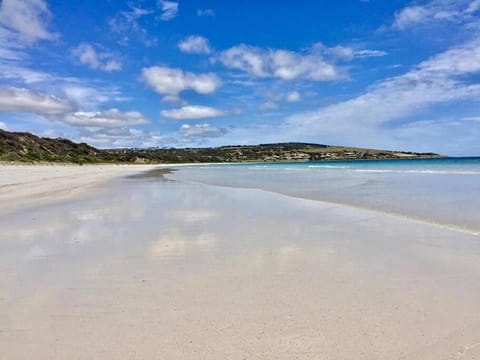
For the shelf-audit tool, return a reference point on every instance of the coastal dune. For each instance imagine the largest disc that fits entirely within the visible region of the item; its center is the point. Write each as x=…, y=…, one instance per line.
x=141, y=269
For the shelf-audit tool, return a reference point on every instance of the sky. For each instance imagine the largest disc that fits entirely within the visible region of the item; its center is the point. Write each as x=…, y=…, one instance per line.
x=395, y=74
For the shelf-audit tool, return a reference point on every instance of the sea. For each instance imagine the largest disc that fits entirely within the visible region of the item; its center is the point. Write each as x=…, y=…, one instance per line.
x=442, y=191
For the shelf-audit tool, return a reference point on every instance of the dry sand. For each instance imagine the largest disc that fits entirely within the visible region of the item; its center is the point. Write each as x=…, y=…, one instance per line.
x=28, y=185
x=148, y=270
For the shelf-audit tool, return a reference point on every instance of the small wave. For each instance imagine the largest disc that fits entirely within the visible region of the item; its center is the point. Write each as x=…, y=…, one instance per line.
x=295, y=169
x=330, y=166
x=375, y=170
x=447, y=172
x=433, y=172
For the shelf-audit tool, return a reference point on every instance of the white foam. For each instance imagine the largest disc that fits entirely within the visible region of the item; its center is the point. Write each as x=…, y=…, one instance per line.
x=330, y=166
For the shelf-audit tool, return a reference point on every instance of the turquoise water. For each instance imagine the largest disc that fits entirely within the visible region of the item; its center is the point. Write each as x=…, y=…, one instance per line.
x=443, y=191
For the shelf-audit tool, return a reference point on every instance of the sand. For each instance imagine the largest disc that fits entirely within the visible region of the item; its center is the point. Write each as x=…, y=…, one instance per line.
x=26, y=185
x=141, y=269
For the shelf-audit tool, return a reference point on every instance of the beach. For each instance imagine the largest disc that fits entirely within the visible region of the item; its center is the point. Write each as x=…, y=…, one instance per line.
x=26, y=185
x=98, y=264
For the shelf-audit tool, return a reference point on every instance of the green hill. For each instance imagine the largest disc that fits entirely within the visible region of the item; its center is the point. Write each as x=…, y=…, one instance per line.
x=26, y=147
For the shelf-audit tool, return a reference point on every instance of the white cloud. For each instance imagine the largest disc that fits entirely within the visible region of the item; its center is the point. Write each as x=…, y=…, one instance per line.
x=458, y=11
x=293, y=96
x=10, y=48
x=274, y=99
x=121, y=138
x=430, y=135
x=471, y=118
x=473, y=7
x=127, y=24
x=99, y=60
x=169, y=82
x=268, y=105
x=437, y=80
x=169, y=9
x=79, y=94
x=112, y=118
x=409, y=16
x=345, y=53
x=85, y=94
x=200, y=131
x=88, y=97
x=342, y=53
x=23, y=100
x=190, y=112
x=281, y=64
x=361, y=54
x=195, y=45
x=3, y=126
x=22, y=24
x=28, y=19
x=205, y=12
x=9, y=70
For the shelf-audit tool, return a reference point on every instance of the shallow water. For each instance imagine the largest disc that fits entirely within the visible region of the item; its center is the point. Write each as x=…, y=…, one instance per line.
x=153, y=269
x=444, y=191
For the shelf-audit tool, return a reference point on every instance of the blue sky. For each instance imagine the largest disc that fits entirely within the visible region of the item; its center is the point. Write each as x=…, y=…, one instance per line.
x=381, y=74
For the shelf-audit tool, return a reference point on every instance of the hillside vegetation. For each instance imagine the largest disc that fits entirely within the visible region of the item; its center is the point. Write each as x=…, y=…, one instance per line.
x=26, y=147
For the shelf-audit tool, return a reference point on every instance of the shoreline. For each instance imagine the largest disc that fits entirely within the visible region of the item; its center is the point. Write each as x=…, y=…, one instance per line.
x=24, y=185
x=52, y=182
x=406, y=158
x=424, y=221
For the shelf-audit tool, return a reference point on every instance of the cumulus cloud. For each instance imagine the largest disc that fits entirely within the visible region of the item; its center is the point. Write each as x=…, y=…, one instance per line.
x=169, y=82
x=275, y=99
x=410, y=15
x=281, y=64
x=268, y=105
x=342, y=53
x=3, y=126
x=201, y=131
x=205, y=12
x=195, y=45
x=121, y=138
x=191, y=112
x=169, y=9
x=459, y=11
x=89, y=97
x=23, y=100
x=437, y=80
x=94, y=59
x=28, y=19
x=293, y=96
x=112, y=118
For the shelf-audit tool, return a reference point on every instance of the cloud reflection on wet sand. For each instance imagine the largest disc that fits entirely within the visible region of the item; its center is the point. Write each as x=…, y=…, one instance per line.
x=173, y=270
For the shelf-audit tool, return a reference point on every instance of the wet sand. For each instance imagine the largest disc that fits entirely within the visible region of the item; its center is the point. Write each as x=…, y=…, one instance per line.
x=149, y=269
